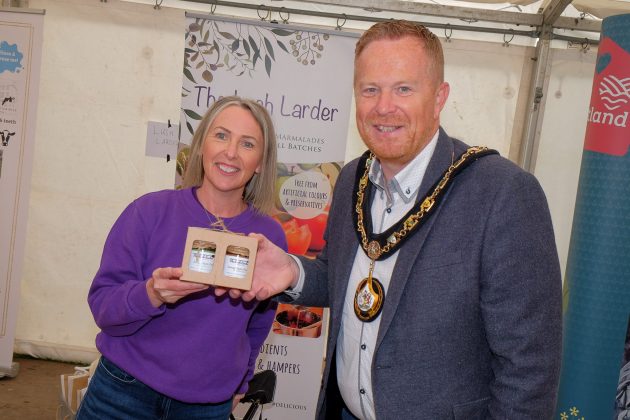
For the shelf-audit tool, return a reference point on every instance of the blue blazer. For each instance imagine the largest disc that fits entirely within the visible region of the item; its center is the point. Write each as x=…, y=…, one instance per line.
x=471, y=325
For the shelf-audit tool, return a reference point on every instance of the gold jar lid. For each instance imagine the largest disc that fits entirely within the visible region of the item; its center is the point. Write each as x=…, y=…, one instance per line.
x=237, y=250
x=199, y=244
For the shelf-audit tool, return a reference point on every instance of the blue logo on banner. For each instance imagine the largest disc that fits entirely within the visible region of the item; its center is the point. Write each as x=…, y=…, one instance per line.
x=10, y=58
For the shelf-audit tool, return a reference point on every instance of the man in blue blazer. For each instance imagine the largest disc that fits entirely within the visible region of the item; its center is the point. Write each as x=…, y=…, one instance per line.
x=440, y=269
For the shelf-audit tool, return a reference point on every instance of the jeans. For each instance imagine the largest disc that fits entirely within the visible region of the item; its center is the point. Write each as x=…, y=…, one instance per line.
x=113, y=394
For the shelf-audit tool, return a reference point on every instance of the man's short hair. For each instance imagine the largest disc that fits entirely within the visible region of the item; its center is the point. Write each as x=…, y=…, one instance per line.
x=395, y=29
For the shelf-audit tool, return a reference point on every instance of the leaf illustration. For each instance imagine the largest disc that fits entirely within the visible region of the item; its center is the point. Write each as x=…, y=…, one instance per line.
x=254, y=46
x=246, y=47
x=202, y=44
x=282, y=46
x=205, y=37
x=189, y=127
x=207, y=76
x=281, y=32
x=235, y=45
x=199, y=64
x=189, y=75
x=189, y=51
x=192, y=114
x=227, y=35
x=226, y=59
x=269, y=48
x=194, y=27
x=216, y=48
x=194, y=57
x=268, y=65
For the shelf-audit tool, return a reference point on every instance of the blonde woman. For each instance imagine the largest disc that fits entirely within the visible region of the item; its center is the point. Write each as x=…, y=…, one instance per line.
x=171, y=349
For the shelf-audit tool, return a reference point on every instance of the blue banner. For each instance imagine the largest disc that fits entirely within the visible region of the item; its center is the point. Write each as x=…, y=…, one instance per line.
x=597, y=284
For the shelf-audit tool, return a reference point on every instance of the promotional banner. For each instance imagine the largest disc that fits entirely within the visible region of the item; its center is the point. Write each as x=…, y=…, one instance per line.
x=595, y=371
x=20, y=56
x=303, y=77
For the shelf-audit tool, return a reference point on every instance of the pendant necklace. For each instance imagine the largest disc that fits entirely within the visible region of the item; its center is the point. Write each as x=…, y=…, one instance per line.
x=218, y=223
x=370, y=296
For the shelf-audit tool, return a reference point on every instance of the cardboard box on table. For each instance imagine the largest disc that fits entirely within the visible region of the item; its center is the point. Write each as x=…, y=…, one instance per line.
x=222, y=240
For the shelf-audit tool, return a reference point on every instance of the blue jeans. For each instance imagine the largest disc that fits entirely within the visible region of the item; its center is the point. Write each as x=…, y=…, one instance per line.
x=114, y=394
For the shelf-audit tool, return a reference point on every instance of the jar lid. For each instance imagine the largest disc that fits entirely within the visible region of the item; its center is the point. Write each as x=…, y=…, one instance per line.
x=238, y=250
x=203, y=244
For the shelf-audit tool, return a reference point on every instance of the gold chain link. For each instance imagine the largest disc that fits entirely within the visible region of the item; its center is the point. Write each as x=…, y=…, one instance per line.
x=412, y=221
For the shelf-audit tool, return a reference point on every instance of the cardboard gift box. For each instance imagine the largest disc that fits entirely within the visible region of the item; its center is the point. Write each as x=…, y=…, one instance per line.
x=219, y=258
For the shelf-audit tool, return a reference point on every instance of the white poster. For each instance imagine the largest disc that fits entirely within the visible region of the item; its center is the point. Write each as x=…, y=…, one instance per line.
x=303, y=77
x=20, y=56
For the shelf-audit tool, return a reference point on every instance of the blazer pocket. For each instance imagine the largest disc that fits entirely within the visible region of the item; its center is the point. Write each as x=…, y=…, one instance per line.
x=472, y=410
x=444, y=259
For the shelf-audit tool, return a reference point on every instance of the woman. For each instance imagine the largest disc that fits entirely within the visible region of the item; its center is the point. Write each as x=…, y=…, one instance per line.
x=171, y=349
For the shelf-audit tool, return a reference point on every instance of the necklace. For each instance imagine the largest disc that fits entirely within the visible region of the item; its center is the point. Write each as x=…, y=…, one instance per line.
x=218, y=223
x=369, y=297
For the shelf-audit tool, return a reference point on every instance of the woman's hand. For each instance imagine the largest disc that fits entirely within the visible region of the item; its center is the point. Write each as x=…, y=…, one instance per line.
x=237, y=398
x=164, y=286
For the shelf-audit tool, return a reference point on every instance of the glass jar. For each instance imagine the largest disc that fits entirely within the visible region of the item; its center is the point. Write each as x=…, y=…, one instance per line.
x=236, y=261
x=202, y=256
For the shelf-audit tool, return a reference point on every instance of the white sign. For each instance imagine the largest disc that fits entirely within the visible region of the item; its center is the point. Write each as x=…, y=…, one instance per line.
x=20, y=57
x=303, y=77
x=162, y=139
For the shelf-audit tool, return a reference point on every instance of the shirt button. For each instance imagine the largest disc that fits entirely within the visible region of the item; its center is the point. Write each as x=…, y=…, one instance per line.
x=362, y=391
x=363, y=346
x=408, y=191
x=389, y=210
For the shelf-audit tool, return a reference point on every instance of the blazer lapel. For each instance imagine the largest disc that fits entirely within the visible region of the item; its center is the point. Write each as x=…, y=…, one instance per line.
x=442, y=158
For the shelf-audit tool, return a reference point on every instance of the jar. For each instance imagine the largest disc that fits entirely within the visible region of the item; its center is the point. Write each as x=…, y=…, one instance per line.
x=202, y=256
x=236, y=261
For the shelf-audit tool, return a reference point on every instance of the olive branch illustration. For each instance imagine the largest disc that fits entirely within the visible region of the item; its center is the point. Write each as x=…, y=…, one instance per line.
x=210, y=48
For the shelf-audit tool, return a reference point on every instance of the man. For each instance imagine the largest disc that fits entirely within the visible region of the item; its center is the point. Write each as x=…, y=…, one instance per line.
x=455, y=316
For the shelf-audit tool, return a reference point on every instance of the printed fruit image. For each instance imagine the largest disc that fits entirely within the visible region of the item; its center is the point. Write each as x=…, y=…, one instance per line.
x=298, y=237
x=284, y=172
x=316, y=225
x=278, y=201
x=182, y=160
x=331, y=170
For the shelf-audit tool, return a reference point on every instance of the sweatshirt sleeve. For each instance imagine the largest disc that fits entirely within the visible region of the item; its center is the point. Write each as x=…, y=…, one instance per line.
x=118, y=298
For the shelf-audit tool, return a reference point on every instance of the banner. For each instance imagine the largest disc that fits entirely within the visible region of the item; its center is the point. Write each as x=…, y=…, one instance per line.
x=595, y=371
x=303, y=77
x=20, y=57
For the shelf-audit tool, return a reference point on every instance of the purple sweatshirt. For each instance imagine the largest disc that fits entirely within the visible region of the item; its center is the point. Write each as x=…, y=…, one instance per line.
x=202, y=348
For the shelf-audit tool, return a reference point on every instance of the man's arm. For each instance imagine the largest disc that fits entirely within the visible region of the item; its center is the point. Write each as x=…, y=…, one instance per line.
x=521, y=301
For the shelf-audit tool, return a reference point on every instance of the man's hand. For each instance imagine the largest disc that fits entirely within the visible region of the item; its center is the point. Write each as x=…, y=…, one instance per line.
x=164, y=286
x=274, y=272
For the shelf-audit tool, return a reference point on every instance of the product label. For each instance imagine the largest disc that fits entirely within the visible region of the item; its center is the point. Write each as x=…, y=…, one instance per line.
x=201, y=260
x=235, y=266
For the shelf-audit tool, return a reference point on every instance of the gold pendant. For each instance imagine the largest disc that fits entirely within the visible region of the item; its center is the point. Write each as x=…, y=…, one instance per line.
x=369, y=297
x=374, y=250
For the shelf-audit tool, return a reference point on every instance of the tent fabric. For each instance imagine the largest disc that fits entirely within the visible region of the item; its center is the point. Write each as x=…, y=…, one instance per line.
x=596, y=8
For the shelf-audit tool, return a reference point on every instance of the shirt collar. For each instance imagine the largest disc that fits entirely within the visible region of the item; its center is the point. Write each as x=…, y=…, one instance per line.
x=406, y=182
